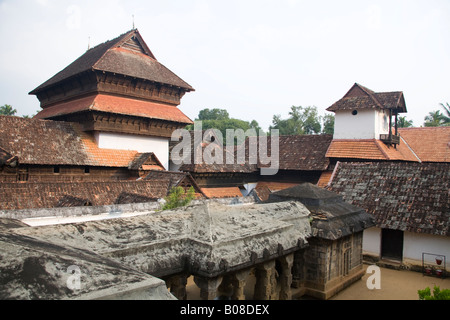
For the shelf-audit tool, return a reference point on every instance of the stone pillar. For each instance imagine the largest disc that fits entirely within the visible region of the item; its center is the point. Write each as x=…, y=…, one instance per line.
x=264, y=273
x=240, y=279
x=208, y=286
x=286, y=276
x=178, y=286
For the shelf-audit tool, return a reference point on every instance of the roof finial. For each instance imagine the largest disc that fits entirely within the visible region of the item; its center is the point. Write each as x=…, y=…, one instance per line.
x=133, y=23
x=89, y=43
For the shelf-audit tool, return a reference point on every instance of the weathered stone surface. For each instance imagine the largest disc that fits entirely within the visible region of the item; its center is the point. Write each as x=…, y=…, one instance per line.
x=36, y=269
x=210, y=238
x=205, y=240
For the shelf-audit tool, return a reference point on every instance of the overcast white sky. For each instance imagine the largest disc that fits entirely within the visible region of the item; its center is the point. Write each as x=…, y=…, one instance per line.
x=255, y=58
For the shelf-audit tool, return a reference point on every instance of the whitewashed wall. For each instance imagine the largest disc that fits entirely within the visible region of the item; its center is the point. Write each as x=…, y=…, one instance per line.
x=367, y=124
x=372, y=241
x=414, y=244
x=121, y=141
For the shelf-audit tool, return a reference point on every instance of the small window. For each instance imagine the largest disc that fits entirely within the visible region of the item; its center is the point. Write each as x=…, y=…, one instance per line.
x=55, y=169
x=87, y=170
x=354, y=112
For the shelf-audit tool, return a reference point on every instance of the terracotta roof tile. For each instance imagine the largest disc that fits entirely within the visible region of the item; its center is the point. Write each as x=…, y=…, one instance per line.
x=107, y=57
x=118, y=105
x=32, y=195
x=264, y=188
x=370, y=149
x=430, y=144
x=46, y=142
x=324, y=178
x=227, y=192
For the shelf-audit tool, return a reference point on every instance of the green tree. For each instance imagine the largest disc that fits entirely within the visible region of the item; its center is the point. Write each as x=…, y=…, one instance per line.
x=220, y=120
x=438, y=294
x=328, y=124
x=301, y=121
x=446, y=116
x=404, y=123
x=213, y=114
x=7, y=110
x=178, y=198
x=434, y=119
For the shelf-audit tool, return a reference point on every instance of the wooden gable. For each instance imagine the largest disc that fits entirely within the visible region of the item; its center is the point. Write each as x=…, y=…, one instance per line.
x=134, y=42
x=146, y=162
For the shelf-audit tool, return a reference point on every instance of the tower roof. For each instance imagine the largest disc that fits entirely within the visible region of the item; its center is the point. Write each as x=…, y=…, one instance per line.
x=360, y=97
x=127, y=55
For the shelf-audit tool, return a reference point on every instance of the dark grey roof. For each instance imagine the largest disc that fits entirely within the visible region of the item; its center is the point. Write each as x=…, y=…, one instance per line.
x=404, y=196
x=333, y=218
x=360, y=97
x=126, y=62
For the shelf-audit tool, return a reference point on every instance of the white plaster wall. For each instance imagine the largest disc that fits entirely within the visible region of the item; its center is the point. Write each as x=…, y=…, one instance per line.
x=382, y=123
x=372, y=241
x=121, y=141
x=414, y=244
x=361, y=126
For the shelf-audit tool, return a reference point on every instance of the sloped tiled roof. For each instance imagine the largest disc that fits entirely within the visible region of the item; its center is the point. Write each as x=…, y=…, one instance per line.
x=6, y=157
x=296, y=152
x=324, y=179
x=369, y=149
x=360, y=97
x=226, y=192
x=303, y=152
x=116, y=57
x=174, y=179
x=199, y=149
x=117, y=105
x=264, y=188
x=46, y=142
x=403, y=196
x=430, y=144
x=145, y=161
x=31, y=195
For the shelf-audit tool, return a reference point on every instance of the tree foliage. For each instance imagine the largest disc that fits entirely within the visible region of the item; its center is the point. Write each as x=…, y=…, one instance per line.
x=438, y=119
x=404, y=123
x=7, y=110
x=213, y=114
x=434, y=119
x=303, y=120
x=220, y=120
x=328, y=124
x=438, y=294
x=178, y=198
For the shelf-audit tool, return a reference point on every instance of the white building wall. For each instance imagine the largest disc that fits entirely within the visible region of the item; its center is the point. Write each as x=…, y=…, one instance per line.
x=367, y=124
x=360, y=126
x=416, y=243
x=121, y=141
x=382, y=123
x=372, y=241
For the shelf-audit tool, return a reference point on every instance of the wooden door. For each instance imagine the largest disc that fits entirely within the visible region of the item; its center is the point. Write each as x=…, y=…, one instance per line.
x=392, y=244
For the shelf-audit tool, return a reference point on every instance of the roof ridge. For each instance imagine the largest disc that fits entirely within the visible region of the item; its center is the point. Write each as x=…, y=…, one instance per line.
x=120, y=39
x=371, y=93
